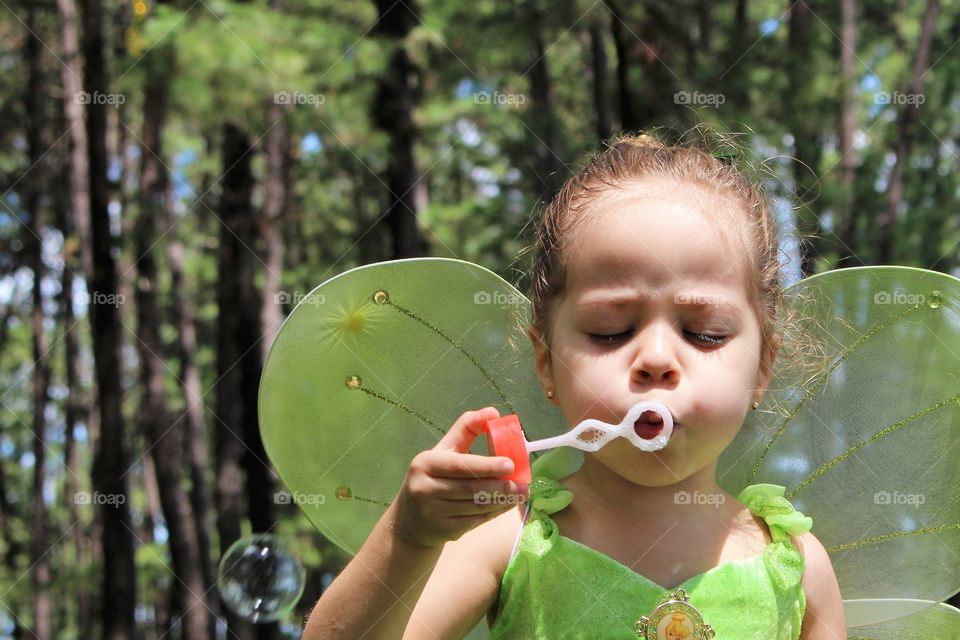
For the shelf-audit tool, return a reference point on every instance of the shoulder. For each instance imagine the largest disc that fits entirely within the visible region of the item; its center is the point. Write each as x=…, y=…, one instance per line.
x=494, y=539
x=471, y=567
x=823, y=619
x=817, y=565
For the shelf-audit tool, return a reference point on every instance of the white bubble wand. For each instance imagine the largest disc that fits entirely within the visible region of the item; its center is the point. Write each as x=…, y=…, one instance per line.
x=505, y=436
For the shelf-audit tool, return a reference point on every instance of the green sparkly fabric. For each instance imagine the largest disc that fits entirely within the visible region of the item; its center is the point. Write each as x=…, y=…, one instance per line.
x=555, y=587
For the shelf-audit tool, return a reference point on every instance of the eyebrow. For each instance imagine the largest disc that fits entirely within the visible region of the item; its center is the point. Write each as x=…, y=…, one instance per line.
x=610, y=301
x=696, y=300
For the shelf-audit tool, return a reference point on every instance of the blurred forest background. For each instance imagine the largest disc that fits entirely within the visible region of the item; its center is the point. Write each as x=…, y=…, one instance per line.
x=176, y=175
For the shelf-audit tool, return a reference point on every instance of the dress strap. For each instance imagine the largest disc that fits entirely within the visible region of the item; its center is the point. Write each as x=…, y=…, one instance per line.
x=767, y=501
x=547, y=495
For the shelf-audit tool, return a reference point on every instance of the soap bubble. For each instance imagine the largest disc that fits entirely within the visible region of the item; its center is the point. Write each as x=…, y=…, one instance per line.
x=260, y=579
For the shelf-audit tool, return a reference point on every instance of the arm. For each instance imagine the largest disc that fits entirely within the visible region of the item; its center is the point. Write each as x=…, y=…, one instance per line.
x=458, y=585
x=465, y=584
x=375, y=595
x=824, y=618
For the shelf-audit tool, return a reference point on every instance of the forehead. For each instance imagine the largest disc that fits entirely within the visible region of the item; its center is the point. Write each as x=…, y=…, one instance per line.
x=655, y=238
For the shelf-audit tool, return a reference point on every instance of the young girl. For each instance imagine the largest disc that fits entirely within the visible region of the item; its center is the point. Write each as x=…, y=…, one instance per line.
x=656, y=278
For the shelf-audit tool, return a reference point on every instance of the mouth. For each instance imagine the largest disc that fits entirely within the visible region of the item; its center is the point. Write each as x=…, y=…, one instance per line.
x=649, y=425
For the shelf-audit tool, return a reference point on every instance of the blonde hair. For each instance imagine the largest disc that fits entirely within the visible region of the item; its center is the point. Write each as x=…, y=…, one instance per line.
x=626, y=161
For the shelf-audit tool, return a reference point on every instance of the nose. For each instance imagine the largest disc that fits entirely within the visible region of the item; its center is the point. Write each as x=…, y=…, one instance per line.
x=655, y=361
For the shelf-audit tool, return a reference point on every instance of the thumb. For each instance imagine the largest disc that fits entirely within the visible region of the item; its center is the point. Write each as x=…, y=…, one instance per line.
x=465, y=430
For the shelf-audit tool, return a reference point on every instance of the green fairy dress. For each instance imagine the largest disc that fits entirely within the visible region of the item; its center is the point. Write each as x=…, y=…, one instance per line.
x=555, y=587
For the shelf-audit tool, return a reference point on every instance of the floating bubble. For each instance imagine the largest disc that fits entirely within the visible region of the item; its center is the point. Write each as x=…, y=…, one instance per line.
x=260, y=578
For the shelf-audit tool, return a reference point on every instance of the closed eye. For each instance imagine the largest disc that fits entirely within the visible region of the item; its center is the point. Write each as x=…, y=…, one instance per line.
x=706, y=338
x=609, y=338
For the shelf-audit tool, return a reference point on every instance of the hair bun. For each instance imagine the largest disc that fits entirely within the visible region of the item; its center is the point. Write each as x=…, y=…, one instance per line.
x=642, y=141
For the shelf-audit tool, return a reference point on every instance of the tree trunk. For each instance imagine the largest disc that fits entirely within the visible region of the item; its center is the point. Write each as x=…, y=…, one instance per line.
x=621, y=42
x=33, y=241
x=71, y=76
x=238, y=444
x=705, y=14
x=229, y=412
x=111, y=459
x=8, y=514
x=163, y=609
x=40, y=566
x=369, y=237
x=165, y=437
x=847, y=212
x=542, y=123
x=197, y=453
x=655, y=38
x=734, y=78
x=601, y=89
x=393, y=107
x=75, y=408
x=807, y=147
x=934, y=226
x=887, y=222
x=274, y=211
x=275, y=207
x=79, y=219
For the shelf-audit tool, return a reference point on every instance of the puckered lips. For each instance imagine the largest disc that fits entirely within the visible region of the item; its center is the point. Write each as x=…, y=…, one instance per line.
x=649, y=425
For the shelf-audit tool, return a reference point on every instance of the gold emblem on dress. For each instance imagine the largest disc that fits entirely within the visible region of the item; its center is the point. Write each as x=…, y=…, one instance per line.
x=674, y=619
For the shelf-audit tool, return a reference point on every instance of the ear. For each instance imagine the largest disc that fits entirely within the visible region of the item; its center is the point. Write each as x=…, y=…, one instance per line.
x=767, y=359
x=543, y=362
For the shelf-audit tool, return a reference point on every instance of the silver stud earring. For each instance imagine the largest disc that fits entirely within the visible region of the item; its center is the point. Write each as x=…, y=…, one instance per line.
x=549, y=394
x=756, y=405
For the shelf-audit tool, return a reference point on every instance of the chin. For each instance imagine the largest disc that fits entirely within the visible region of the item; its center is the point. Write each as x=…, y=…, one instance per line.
x=646, y=469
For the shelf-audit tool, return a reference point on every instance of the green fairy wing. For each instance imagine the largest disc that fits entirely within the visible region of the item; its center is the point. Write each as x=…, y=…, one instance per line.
x=868, y=443
x=374, y=366
x=901, y=619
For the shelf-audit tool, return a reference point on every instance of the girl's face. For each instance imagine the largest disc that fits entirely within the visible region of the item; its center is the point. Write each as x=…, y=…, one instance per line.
x=656, y=307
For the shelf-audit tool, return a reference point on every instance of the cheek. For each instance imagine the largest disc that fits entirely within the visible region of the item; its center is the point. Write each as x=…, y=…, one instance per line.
x=724, y=391
x=574, y=367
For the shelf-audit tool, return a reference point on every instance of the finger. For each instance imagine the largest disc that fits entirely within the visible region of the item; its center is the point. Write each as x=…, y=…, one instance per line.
x=465, y=430
x=465, y=508
x=451, y=464
x=459, y=489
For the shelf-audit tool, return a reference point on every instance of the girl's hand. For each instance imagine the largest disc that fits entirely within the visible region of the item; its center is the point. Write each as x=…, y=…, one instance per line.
x=449, y=491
